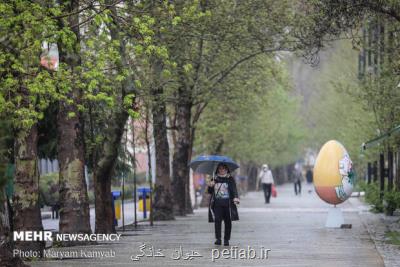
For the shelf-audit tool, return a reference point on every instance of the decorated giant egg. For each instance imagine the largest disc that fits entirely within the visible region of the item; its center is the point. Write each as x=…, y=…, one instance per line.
x=333, y=173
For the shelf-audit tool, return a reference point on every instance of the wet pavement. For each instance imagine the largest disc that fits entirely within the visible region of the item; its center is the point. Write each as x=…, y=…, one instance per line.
x=290, y=231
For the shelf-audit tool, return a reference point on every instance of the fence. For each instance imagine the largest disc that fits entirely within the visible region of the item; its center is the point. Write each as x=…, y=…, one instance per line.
x=386, y=169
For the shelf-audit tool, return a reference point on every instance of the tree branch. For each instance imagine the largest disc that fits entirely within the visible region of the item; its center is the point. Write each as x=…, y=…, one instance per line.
x=224, y=73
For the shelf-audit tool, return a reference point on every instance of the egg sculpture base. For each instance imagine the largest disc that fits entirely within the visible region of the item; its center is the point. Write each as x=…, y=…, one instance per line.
x=335, y=218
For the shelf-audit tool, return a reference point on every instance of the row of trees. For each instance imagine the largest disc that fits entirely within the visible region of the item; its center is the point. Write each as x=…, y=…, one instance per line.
x=331, y=108
x=360, y=100
x=189, y=67
x=88, y=95
x=117, y=58
x=265, y=126
x=339, y=101
x=372, y=28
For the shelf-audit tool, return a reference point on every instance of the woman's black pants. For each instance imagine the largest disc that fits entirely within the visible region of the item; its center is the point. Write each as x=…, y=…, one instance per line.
x=222, y=213
x=267, y=192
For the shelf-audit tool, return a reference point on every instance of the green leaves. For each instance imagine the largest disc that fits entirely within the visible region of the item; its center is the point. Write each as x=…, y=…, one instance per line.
x=2, y=104
x=138, y=84
x=187, y=67
x=71, y=115
x=334, y=109
x=257, y=120
x=26, y=88
x=176, y=20
x=129, y=100
x=129, y=105
x=68, y=38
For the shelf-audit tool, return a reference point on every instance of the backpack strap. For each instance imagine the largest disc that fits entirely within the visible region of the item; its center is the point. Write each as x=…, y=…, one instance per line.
x=217, y=190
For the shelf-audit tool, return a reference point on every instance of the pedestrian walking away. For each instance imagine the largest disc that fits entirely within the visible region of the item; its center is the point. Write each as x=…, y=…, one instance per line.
x=224, y=198
x=297, y=177
x=309, y=178
x=267, y=180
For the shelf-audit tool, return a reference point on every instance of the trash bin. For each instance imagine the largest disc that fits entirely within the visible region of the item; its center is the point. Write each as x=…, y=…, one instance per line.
x=116, y=203
x=144, y=200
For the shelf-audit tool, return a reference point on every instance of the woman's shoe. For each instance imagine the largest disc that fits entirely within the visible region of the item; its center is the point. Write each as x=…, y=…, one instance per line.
x=226, y=242
x=217, y=242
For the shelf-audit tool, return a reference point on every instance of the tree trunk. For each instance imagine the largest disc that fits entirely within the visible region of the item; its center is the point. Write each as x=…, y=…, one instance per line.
x=189, y=207
x=6, y=246
x=103, y=204
x=188, y=204
x=162, y=204
x=104, y=168
x=279, y=174
x=103, y=172
x=26, y=207
x=252, y=173
x=74, y=201
x=180, y=169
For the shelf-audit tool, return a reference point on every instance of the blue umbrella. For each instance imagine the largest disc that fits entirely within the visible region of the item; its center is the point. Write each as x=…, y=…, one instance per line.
x=208, y=164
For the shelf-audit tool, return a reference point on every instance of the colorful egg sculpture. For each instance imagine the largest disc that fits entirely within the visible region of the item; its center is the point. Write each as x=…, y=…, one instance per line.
x=333, y=173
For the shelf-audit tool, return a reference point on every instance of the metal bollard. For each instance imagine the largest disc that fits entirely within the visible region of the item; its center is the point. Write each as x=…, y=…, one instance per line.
x=143, y=191
x=115, y=196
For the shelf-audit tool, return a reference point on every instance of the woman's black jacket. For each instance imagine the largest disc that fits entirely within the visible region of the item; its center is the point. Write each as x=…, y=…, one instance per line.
x=232, y=194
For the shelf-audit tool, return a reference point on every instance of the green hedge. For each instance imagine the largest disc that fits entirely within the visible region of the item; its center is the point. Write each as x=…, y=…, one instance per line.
x=391, y=199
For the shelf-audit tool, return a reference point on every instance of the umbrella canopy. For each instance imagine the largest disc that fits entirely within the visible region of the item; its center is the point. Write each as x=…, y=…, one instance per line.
x=208, y=164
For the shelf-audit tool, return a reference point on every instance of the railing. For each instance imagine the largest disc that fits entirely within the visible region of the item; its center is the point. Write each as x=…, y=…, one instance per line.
x=378, y=170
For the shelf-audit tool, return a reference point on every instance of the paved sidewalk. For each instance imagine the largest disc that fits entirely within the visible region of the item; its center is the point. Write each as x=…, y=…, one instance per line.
x=292, y=227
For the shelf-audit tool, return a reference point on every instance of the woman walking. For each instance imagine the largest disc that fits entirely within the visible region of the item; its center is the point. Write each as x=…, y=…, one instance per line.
x=267, y=180
x=224, y=198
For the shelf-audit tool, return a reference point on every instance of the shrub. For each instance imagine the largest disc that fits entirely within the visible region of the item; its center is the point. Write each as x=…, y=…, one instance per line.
x=393, y=237
x=372, y=196
x=391, y=201
x=360, y=185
